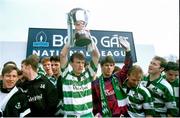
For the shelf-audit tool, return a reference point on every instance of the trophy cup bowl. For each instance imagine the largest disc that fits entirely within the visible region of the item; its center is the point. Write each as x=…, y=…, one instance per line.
x=81, y=36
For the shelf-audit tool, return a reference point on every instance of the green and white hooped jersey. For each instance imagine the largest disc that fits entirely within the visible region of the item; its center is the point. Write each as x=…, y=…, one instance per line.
x=140, y=102
x=77, y=95
x=175, y=86
x=162, y=93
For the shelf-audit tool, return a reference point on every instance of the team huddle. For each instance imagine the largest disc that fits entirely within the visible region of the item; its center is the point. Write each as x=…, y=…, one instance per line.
x=62, y=86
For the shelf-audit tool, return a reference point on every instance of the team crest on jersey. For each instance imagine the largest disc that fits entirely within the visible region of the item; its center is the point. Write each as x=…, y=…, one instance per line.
x=154, y=89
x=135, y=95
x=18, y=105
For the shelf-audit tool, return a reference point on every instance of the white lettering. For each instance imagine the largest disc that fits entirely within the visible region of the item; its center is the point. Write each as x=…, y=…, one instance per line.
x=35, y=98
x=45, y=53
x=36, y=52
x=57, y=40
x=113, y=53
x=109, y=53
x=103, y=53
x=105, y=43
x=113, y=41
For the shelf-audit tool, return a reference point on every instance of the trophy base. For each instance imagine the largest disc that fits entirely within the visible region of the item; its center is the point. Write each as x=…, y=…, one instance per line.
x=82, y=42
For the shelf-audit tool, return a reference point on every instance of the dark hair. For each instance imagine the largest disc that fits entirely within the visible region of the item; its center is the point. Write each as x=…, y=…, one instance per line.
x=10, y=63
x=8, y=69
x=107, y=59
x=55, y=58
x=77, y=55
x=32, y=60
x=171, y=66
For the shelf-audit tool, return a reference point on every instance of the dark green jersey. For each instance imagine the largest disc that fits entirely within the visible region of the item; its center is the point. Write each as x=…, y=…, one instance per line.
x=163, y=97
x=140, y=102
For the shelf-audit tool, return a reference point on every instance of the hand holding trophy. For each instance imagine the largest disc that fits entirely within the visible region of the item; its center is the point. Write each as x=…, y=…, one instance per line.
x=78, y=35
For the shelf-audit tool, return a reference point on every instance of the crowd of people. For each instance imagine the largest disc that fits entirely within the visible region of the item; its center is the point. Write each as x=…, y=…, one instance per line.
x=62, y=86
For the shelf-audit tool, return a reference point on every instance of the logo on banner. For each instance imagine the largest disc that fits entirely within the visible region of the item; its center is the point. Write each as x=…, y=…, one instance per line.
x=41, y=40
x=49, y=42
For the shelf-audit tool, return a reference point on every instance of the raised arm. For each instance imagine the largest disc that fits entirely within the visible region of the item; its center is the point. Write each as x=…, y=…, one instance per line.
x=64, y=55
x=94, y=52
x=122, y=74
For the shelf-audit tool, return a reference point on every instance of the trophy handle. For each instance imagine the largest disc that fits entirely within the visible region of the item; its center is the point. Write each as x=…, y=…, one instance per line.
x=70, y=30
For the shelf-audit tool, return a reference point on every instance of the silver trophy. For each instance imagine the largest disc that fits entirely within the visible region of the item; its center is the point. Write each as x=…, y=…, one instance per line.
x=78, y=35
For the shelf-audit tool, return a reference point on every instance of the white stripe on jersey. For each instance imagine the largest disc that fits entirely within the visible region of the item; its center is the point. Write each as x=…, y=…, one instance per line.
x=135, y=115
x=167, y=85
x=122, y=102
x=176, y=91
x=145, y=89
x=170, y=105
x=78, y=101
x=158, y=101
x=23, y=114
x=78, y=113
x=148, y=105
x=161, y=110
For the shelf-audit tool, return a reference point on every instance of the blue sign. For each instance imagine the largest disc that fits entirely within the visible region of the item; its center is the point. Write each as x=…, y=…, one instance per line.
x=49, y=42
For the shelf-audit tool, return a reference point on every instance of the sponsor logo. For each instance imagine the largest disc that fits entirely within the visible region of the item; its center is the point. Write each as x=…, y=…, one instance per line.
x=35, y=98
x=41, y=40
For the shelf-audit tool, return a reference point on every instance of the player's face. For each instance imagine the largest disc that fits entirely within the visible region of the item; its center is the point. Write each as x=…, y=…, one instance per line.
x=47, y=67
x=10, y=79
x=55, y=65
x=171, y=75
x=134, y=79
x=154, y=67
x=107, y=69
x=78, y=66
x=25, y=70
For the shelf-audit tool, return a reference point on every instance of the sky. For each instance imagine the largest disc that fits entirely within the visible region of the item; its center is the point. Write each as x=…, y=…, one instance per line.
x=154, y=22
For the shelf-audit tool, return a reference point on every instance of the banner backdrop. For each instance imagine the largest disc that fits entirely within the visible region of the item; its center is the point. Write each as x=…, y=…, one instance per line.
x=49, y=42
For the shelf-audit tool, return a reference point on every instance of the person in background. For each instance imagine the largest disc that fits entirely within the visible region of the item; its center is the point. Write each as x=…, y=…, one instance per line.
x=14, y=102
x=46, y=63
x=160, y=89
x=172, y=76
x=140, y=102
x=57, y=82
x=55, y=65
x=109, y=100
x=42, y=95
x=12, y=63
x=116, y=69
